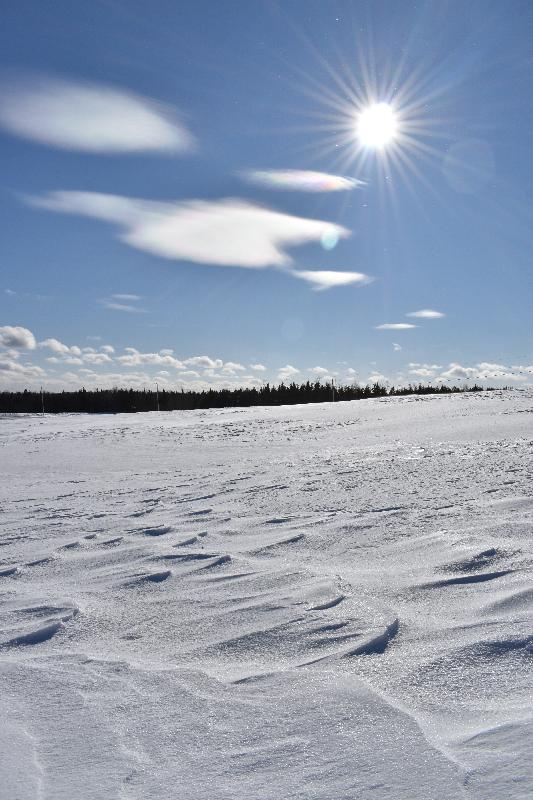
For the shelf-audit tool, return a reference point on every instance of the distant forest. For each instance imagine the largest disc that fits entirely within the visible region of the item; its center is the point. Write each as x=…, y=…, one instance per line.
x=111, y=401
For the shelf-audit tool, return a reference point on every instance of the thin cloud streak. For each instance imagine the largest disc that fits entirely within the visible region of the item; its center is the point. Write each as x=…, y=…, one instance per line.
x=89, y=117
x=112, y=305
x=228, y=232
x=301, y=180
x=395, y=326
x=426, y=313
x=327, y=279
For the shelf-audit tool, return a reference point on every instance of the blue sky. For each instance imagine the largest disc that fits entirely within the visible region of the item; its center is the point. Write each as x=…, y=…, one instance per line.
x=187, y=196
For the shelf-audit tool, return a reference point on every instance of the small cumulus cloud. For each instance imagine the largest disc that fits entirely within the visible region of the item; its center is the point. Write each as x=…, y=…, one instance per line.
x=319, y=371
x=397, y=347
x=426, y=313
x=89, y=117
x=258, y=367
x=228, y=232
x=395, y=326
x=288, y=371
x=58, y=347
x=11, y=368
x=377, y=377
x=204, y=361
x=230, y=367
x=17, y=337
x=301, y=180
x=97, y=358
x=327, y=279
x=134, y=358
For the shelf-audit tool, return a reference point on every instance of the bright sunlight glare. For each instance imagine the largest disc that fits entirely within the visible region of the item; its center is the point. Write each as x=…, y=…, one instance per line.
x=377, y=126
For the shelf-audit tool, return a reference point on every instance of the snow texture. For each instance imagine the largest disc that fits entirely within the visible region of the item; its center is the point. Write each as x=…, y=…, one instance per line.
x=326, y=602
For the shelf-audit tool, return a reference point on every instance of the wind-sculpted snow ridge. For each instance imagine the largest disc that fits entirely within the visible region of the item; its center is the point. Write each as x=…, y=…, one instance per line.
x=311, y=602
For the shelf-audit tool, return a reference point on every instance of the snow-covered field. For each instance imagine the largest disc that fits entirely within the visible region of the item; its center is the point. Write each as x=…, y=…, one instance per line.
x=323, y=601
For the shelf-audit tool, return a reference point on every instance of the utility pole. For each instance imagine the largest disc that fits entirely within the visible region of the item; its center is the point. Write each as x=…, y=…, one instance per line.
x=42, y=401
x=333, y=390
x=157, y=395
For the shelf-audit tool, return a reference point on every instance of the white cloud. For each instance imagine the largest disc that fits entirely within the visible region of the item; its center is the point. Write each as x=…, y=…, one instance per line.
x=288, y=371
x=484, y=371
x=189, y=373
x=58, y=347
x=204, y=361
x=395, y=326
x=301, y=180
x=377, y=377
x=89, y=117
x=227, y=232
x=112, y=305
x=422, y=372
x=97, y=358
x=17, y=337
x=458, y=371
x=10, y=292
x=397, y=347
x=10, y=369
x=230, y=367
x=128, y=298
x=258, y=367
x=135, y=358
x=327, y=279
x=426, y=313
x=107, y=348
x=319, y=371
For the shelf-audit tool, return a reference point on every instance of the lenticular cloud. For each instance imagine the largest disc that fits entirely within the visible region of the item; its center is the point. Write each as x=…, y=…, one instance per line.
x=327, y=279
x=301, y=180
x=228, y=232
x=89, y=117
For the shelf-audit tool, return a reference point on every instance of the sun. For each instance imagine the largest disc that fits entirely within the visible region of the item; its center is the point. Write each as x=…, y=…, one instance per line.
x=377, y=126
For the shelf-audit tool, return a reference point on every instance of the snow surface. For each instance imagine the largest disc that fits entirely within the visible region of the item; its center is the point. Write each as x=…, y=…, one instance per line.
x=325, y=602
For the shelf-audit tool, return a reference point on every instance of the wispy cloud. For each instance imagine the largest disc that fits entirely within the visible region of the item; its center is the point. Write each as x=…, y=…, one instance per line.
x=395, y=326
x=319, y=371
x=228, y=232
x=301, y=180
x=258, y=367
x=327, y=279
x=128, y=298
x=116, y=303
x=426, y=313
x=396, y=347
x=17, y=337
x=89, y=117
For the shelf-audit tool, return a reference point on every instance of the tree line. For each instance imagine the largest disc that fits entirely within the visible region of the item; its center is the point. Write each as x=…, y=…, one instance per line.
x=111, y=401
